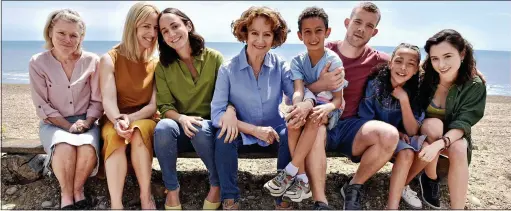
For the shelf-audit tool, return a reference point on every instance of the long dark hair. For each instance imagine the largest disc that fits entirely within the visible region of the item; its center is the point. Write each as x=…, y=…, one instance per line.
x=465, y=73
x=382, y=75
x=167, y=54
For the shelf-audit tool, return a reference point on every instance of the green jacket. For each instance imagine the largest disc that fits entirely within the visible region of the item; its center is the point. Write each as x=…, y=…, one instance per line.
x=464, y=107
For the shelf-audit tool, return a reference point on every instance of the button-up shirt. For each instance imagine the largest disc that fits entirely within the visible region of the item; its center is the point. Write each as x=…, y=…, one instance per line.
x=176, y=90
x=54, y=95
x=256, y=100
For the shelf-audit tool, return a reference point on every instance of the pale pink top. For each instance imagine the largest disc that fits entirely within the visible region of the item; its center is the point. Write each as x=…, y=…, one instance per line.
x=54, y=95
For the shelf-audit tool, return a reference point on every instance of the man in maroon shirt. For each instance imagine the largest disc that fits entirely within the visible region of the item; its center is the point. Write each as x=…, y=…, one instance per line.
x=368, y=142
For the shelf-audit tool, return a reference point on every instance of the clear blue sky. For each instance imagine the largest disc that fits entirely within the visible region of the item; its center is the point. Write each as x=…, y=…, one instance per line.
x=487, y=25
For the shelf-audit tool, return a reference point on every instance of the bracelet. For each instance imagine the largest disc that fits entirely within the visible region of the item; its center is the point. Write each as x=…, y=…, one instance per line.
x=448, y=141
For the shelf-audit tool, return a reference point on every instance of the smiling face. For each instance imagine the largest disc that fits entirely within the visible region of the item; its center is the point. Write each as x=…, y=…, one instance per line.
x=446, y=60
x=147, y=31
x=66, y=37
x=174, y=31
x=361, y=27
x=404, y=64
x=313, y=33
x=260, y=37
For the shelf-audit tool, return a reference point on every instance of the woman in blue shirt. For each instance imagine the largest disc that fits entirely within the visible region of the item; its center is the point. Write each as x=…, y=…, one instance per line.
x=253, y=82
x=392, y=96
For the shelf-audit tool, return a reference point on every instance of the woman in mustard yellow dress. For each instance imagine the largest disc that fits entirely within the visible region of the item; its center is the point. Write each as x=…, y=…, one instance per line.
x=129, y=101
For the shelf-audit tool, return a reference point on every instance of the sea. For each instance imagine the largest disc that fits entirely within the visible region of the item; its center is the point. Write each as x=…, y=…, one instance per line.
x=495, y=65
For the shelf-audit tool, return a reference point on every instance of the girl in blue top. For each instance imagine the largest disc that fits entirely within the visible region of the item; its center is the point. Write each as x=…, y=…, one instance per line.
x=392, y=96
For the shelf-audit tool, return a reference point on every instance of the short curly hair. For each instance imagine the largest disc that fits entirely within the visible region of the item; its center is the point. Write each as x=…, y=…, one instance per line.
x=278, y=24
x=312, y=12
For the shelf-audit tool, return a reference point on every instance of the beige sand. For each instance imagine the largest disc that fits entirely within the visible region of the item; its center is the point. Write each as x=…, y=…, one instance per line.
x=490, y=172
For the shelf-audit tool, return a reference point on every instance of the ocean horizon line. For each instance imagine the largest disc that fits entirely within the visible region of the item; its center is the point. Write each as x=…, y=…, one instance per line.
x=374, y=46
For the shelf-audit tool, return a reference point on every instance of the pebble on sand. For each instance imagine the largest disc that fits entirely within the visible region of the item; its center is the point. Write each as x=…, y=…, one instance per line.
x=474, y=200
x=8, y=206
x=11, y=190
x=47, y=204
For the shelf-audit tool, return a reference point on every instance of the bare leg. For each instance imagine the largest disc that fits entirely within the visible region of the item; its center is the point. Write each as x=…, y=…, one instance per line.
x=400, y=169
x=304, y=145
x=293, y=136
x=315, y=163
x=85, y=162
x=63, y=164
x=375, y=142
x=116, y=167
x=433, y=128
x=417, y=166
x=457, y=178
x=142, y=163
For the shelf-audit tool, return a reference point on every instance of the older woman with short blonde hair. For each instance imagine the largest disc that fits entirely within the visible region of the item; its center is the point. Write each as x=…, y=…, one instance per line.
x=65, y=91
x=129, y=99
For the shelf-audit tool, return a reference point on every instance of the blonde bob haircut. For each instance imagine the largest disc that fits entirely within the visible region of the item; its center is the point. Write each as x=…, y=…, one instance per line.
x=129, y=44
x=68, y=15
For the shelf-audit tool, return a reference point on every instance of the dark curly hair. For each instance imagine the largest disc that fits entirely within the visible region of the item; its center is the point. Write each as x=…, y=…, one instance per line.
x=278, y=24
x=167, y=54
x=382, y=75
x=467, y=69
x=312, y=12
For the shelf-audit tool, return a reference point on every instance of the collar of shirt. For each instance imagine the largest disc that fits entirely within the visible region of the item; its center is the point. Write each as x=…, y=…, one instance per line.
x=197, y=62
x=243, y=60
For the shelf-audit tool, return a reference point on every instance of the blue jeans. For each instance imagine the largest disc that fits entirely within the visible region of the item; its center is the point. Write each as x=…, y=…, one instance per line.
x=170, y=139
x=227, y=163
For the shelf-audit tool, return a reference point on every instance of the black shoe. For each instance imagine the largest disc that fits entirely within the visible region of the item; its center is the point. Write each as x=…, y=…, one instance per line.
x=83, y=204
x=69, y=207
x=352, y=195
x=318, y=205
x=430, y=190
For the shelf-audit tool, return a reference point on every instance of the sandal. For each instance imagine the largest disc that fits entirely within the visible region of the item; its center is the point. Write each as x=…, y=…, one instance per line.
x=211, y=205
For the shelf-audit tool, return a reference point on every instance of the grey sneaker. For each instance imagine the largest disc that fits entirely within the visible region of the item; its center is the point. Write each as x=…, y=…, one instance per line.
x=298, y=191
x=279, y=184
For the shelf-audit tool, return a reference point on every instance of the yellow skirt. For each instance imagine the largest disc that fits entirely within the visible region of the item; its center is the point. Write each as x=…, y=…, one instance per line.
x=112, y=141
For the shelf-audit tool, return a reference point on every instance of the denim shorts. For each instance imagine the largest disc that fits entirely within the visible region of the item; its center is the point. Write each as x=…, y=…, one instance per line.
x=341, y=137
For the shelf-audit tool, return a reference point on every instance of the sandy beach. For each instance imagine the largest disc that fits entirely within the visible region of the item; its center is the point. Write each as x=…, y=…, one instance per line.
x=489, y=183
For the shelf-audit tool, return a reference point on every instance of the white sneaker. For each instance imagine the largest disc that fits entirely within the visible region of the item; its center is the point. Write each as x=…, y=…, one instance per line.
x=410, y=197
